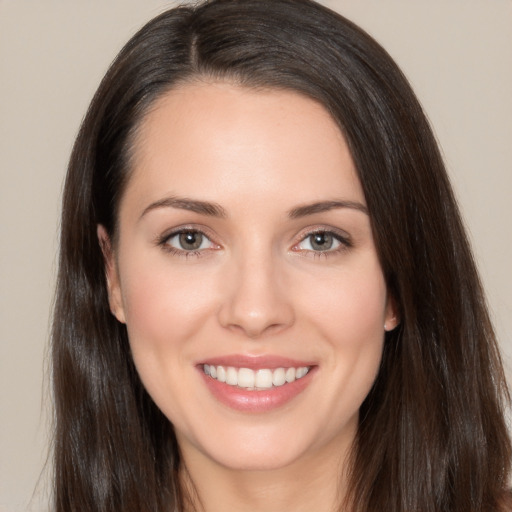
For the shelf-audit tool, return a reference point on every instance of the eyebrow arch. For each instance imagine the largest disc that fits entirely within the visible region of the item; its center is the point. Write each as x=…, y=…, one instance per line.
x=184, y=203
x=324, y=206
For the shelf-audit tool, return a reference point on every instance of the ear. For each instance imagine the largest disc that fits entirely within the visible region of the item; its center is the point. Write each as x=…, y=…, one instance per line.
x=392, y=318
x=111, y=274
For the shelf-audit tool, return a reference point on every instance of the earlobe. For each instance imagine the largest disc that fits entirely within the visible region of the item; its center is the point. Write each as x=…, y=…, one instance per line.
x=392, y=319
x=111, y=274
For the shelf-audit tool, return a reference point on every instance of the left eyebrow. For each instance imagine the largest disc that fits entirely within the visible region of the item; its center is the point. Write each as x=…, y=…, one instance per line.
x=325, y=206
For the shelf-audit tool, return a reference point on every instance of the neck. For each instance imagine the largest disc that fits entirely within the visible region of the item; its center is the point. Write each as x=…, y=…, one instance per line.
x=316, y=483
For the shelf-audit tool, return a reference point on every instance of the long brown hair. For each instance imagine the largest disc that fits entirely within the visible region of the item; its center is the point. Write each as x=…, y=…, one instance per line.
x=432, y=435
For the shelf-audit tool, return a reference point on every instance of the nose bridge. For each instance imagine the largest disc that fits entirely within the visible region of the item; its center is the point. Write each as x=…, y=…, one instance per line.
x=255, y=300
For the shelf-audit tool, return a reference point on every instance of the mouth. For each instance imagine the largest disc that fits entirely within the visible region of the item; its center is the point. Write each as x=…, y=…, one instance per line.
x=255, y=380
x=256, y=384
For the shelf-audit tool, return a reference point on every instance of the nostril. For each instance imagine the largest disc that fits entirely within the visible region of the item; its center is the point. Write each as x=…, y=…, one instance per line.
x=254, y=301
x=254, y=324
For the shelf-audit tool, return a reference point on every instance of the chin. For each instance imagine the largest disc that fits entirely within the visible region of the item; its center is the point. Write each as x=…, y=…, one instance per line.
x=271, y=447
x=241, y=459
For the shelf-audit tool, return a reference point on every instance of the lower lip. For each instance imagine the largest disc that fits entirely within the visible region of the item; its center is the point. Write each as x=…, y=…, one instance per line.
x=256, y=401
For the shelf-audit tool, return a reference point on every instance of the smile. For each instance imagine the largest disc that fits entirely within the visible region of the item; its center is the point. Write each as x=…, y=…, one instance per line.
x=255, y=380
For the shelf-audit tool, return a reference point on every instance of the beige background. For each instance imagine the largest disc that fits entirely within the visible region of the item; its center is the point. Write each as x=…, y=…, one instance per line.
x=457, y=53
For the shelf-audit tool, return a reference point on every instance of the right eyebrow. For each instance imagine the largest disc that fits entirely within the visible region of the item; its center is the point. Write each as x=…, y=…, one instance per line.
x=184, y=203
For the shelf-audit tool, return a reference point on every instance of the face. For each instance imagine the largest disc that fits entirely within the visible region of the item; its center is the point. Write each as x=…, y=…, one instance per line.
x=247, y=276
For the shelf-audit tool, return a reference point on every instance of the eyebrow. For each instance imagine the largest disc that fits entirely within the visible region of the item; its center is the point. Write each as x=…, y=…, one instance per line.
x=324, y=206
x=184, y=203
x=215, y=210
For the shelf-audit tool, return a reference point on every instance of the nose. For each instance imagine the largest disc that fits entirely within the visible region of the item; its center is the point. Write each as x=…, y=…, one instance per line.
x=255, y=300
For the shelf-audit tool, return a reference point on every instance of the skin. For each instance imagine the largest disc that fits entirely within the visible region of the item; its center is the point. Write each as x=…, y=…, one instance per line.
x=255, y=287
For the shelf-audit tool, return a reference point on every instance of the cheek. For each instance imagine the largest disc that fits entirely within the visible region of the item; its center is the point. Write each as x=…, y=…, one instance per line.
x=349, y=313
x=350, y=306
x=164, y=308
x=165, y=313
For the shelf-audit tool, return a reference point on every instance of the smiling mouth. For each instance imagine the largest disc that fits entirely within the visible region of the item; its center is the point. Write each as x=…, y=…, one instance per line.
x=255, y=380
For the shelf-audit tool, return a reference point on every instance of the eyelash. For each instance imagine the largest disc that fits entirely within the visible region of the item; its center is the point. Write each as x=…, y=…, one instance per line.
x=343, y=240
x=163, y=241
x=344, y=243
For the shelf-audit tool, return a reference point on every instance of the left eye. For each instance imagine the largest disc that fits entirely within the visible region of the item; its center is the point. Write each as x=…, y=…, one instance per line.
x=189, y=241
x=321, y=241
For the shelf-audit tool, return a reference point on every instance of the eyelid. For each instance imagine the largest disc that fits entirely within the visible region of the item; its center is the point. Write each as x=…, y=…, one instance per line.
x=162, y=240
x=340, y=235
x=344, y=239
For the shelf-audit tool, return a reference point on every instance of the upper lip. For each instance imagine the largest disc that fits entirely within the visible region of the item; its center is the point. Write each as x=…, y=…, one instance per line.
x=256, y=362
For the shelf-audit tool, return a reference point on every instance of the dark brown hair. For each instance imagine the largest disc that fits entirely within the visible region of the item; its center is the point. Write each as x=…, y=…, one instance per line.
x=432, y=435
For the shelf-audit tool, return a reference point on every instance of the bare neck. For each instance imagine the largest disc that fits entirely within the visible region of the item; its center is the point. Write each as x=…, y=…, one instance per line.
x=317, y=483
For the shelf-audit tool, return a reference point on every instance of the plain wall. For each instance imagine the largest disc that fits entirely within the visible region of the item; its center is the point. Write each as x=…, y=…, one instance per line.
x=457, y=54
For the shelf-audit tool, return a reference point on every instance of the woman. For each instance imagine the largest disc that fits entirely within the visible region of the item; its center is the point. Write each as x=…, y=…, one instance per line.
x=266, y=299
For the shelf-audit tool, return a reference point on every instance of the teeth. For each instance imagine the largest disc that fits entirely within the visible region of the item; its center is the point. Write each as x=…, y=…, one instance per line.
x=231, y=376
x=290, y=375
x=255, y=379
x=221, y=374
x=246, y=378
x=263, y=379
x=279, y=377
x=300, y=372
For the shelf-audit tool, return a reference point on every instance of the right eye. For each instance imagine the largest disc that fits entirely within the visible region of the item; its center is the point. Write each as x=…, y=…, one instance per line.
x=189, y=241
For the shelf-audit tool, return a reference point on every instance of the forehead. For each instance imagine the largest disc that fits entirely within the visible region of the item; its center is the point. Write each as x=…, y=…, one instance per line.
x=219, y=139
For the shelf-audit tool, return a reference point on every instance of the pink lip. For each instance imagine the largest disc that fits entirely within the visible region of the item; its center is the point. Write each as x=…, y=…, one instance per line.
x=256, y=362
x=256, y=401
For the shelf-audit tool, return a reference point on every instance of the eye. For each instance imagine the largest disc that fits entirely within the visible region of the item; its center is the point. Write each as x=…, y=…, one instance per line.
x=323, y=242
x=189, y=241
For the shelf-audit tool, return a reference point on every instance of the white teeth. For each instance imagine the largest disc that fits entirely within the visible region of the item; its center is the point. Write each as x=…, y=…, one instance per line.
x=290, y=375
x=300, y=372
x=264, y=379
x=247, y=378
x=221, y=373
x=278, y=377
x=231, y=376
